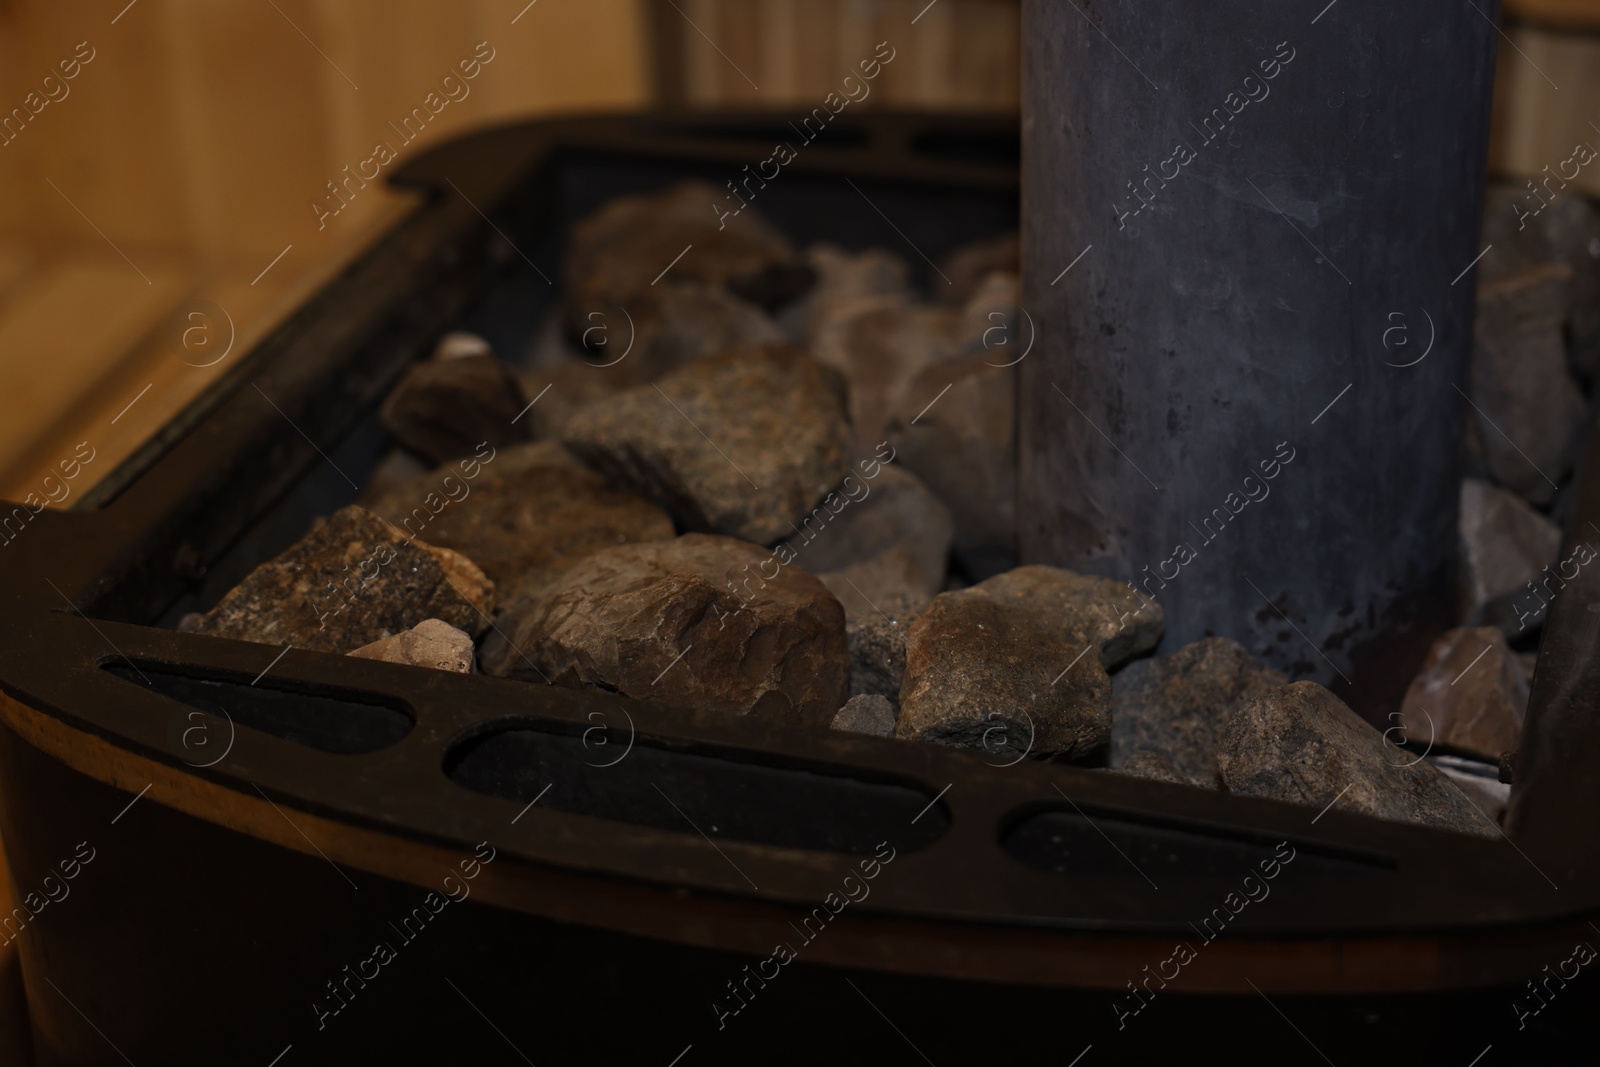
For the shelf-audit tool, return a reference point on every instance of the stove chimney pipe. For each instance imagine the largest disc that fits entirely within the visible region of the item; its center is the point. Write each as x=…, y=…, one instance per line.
x=1248, y=246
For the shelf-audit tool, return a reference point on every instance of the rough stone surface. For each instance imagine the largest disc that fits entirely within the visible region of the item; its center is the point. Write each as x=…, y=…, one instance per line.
x=889, y=576
x=844, y=277
x=963, y=447
x=744, y=443
x=618, y=253
x=431, y=643
x=1469, y=697
x=881, y=344
x=866, y=713
x=892, y=510
x=1300, y=743
x=1022, y=655
x=1529, y=410
x=1505, y=544
x=1174, y=708
x=1565, y=231
x=678, y=322
x=1153, y=765
x=525, y=516
x=444, y=407
x=662, y=621
x=466, y=578
x=878, y=647
x=350, y=581
x=1489, y=795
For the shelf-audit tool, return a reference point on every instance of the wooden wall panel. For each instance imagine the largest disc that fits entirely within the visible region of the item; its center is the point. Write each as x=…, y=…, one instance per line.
x=1547, y=96
x=197, y=139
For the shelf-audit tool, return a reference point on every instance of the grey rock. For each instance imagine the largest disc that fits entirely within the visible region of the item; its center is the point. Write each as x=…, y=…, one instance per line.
x=961, y=441
x=864, y=587
x=968, y=265
x=1174, y=708
x=1300, y=743
x=1018, y=663
x=619, y=253
x=745, y=443
x=1504, y=545
x=665, y=621
x=1478, y=781
x=523, y=514
x=1469, y=696
x=445, y=407
x=1529, y=411
x=678, y=322
x=866, y=713
x=880, y=345
x=891, y=510
x=432, y=643
x=844, y=277
x=1565, y=231
x=878, y=646
x=349, y=582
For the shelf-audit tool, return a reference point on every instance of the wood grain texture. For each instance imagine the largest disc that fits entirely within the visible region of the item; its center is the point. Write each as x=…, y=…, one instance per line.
x=196, y=143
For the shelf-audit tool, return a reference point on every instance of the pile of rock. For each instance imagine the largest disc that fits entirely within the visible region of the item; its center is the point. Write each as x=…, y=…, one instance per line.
x=788, y=495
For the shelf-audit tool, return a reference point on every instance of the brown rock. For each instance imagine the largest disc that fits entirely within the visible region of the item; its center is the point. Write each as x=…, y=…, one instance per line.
x=866, y=714
x=1174, y=708
x=662, y=621
x=1529, y=411
x=444, y=408
x=465, y=577
x=431, y=643
x=878, y=647
x=525, y=514
x=1505, y=545
x=744, y=443
x=1301, y=744
x=961, y=441
x=352, y=580
x=1010, y=658
x=1469, y=697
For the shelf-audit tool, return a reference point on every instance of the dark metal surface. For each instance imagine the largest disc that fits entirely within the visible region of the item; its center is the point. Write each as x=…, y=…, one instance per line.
x=1255, y=208
x=975, y=892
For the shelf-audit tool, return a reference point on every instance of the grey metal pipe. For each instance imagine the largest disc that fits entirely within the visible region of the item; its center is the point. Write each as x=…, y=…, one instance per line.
x=1244, y=225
